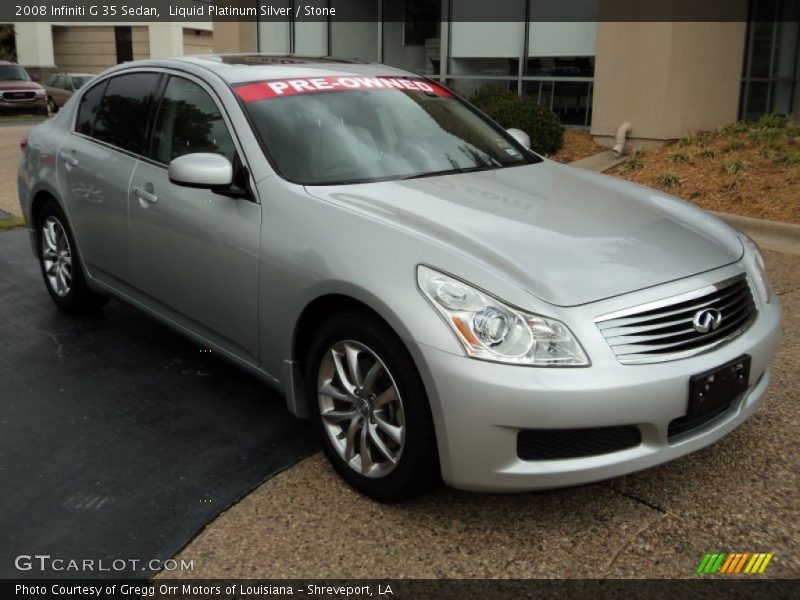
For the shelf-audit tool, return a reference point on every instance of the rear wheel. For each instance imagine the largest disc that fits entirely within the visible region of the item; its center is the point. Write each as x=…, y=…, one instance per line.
x=52, y=107
x=60, y=264
x=370, y=408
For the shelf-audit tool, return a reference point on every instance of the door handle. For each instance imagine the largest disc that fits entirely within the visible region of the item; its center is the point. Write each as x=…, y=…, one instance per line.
x=144, y=195
x=69, y=160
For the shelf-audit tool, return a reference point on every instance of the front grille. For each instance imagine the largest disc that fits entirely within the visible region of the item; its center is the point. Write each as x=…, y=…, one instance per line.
x=551, y=444
x=12, y=96
x=664, y=330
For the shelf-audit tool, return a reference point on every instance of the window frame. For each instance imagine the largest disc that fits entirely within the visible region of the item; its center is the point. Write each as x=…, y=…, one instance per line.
x=105, y=81
x=240, y=157
x=149, y=146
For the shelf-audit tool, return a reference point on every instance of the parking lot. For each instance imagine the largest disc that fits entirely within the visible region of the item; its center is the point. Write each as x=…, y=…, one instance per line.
x=741, y=494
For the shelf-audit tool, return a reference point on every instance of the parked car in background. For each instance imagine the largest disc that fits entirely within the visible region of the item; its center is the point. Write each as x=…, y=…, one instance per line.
x=61, y=86
x=19, y=92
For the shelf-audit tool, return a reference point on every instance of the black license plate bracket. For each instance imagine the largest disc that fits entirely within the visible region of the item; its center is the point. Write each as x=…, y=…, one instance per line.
x=711, y=390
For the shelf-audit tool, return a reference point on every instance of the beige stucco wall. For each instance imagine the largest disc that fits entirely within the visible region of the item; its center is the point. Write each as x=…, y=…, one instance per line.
x=197, y=41
x=93, y=48
x=232, y=37
x=666, y=78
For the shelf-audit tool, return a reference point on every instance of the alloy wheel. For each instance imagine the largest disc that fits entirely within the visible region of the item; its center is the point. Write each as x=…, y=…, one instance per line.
x=361, y=409
x=56, y=257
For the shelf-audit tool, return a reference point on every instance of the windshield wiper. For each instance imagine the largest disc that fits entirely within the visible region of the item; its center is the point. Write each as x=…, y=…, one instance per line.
x=455, y=171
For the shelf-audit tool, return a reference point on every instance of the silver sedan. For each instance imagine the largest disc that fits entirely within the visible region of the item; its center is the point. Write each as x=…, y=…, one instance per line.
x=442, y=302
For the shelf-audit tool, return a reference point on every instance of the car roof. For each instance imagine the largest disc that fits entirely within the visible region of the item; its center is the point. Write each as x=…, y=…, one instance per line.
x=242, y=68
x=76, y=74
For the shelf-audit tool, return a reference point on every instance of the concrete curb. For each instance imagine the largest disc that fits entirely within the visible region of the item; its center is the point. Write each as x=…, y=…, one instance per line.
x=770, y=235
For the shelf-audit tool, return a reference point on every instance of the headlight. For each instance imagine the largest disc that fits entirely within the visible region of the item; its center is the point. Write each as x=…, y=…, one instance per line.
x=753, y=252
x=490, y=329
x=41, y=93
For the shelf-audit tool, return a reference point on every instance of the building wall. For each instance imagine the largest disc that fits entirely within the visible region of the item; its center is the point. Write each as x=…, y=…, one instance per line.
x=231, y=37
x=91, y=49
x=666, y=78
x=197, y=41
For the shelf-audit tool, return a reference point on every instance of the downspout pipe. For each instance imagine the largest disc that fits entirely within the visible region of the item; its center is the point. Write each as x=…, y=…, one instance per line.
x=622, y=133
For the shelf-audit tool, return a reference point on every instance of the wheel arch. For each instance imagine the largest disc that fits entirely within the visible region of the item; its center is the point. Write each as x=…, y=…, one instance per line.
x=315, y=312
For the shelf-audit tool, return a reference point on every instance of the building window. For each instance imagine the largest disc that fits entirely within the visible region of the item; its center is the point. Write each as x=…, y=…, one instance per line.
x=420, y=21
x=123, y=37
x=772, y=61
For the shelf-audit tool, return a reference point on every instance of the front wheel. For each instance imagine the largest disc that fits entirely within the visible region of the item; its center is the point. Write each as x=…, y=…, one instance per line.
x=60, y=264
x=370, y=408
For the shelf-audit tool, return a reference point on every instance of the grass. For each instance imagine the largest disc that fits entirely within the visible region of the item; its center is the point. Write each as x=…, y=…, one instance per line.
x=633, y=162
x=668, y=180
x=11, y=223
x=21, y=117
x=747, y=168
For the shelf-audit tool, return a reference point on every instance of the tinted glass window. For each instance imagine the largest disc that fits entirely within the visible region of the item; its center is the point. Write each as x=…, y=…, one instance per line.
x=51, y=80
x=87, y=111
x=122, y=117
x=60, y=82
x=13, y=73
x=189, y=121
x=373, y=129
x=80, y=81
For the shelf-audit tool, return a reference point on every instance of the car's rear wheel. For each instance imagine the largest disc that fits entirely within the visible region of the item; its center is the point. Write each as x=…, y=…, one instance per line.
x=52, y=107
x=60, y=264
x=370, y=408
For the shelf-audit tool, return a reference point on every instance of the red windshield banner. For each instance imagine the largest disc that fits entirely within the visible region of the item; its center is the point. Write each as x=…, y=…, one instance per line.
x=277, y=88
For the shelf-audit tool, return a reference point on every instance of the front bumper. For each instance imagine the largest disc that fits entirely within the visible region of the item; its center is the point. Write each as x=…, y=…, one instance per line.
x=480, y=407
x=35, y=105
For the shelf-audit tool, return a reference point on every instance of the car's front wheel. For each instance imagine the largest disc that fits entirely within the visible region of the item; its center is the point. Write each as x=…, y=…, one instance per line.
x=60, y=264
x=370, y=408
x=52, y=107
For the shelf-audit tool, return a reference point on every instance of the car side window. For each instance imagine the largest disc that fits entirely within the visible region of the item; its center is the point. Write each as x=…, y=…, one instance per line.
x=51, y=80
x=189, y=121
x=60, y=82
x=87, y=111
x=122, y=116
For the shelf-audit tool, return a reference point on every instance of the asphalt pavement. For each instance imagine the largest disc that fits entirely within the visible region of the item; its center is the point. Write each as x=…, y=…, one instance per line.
x=119, y=440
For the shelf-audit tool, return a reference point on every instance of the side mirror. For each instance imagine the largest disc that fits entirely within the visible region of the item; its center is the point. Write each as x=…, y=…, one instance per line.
x=201, y=170
x=522, y=137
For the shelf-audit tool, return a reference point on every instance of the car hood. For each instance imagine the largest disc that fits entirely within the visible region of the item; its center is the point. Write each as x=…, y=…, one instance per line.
x=19, y=85
x=566, y=235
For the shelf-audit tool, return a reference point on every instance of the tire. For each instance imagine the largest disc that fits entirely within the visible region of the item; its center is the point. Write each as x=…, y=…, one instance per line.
x=402, y=457
x=60, y=265
x=52, y=107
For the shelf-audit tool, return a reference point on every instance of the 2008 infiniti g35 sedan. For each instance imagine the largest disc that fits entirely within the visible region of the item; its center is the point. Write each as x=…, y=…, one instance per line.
x=440, y=300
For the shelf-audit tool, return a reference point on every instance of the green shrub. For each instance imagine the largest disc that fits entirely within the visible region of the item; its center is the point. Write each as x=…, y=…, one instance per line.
x=709, y=153
x=633, y=163
x=510, y=109
x=668, y=180
x=678, y=158
x=733, y=167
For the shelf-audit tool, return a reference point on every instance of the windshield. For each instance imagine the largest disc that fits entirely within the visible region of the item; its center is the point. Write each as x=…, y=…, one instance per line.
x=79, y=80
x=334, y=130
x=13, y=73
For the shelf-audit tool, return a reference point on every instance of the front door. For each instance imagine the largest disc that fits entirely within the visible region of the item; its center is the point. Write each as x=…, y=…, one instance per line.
x=195, y=253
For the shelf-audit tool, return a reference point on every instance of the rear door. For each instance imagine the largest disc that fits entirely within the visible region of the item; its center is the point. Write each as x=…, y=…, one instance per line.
x=95, y=164
x=194, y=252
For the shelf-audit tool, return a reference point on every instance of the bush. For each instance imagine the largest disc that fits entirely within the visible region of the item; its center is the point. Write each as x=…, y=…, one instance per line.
x=510, y=109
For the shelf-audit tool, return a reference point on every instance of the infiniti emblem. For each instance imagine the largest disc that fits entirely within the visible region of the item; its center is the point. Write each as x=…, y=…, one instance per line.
x=708, y=319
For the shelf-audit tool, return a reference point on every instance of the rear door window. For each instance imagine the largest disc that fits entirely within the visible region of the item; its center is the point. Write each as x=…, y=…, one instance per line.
x=189, y=121
x=87, y=111
x=123, y=114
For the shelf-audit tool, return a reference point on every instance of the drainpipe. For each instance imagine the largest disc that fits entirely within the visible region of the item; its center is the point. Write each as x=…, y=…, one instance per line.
x=622, y=132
